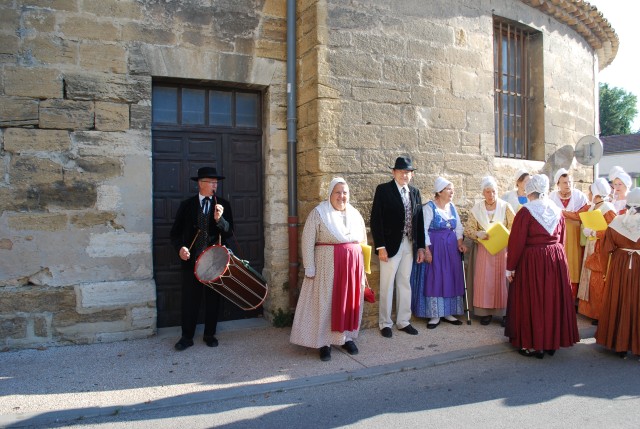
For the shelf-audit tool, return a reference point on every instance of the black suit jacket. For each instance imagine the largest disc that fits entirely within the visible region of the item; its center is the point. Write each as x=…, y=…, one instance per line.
x=185, y=225
x=387, y=218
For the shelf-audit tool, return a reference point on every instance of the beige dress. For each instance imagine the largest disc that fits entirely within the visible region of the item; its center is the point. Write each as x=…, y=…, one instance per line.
x=312, y=320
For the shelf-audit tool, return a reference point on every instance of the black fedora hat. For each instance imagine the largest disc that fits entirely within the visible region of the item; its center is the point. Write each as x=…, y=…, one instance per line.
x=207, y=173
x=403, y=163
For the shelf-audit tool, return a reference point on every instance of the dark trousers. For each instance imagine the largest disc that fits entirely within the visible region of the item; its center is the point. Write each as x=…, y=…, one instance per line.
x=192, y=294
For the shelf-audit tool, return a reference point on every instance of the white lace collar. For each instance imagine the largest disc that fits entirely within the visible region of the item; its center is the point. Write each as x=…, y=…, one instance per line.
x=345, y=232
x=545, y=212
x=628, y=225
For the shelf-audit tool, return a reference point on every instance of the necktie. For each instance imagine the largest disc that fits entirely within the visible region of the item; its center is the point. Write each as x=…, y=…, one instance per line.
x=205, y=205
x=407, y=212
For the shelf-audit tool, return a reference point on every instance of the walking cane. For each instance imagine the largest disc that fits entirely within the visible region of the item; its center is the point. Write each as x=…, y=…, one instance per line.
x=466, y=296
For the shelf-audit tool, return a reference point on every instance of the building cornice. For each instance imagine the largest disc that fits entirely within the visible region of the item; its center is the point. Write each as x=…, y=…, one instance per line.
x=587, y=21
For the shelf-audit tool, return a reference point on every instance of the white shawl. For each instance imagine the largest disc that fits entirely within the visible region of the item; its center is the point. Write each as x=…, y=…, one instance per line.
x=545, y=212
x=628, y=225
x=347, y=227
x=480, y=213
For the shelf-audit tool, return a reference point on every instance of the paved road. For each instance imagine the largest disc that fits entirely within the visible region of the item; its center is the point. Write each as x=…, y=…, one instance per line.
x=584, y=386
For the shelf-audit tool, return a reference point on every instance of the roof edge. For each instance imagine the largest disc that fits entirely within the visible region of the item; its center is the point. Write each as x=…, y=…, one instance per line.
x=587, y=21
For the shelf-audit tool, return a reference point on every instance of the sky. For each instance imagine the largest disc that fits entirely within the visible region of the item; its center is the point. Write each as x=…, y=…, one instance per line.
x=624, y=71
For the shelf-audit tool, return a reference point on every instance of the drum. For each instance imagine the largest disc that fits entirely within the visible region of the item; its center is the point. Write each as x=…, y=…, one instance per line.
x=218, y=268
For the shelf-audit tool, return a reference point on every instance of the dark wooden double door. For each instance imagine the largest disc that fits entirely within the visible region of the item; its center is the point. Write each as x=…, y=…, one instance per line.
x=177, y=155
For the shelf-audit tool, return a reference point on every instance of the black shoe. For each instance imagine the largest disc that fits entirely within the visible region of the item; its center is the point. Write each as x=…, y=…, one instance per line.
x=550, y=352
x=350, y=347
x=504, y=321
x=531, y=353
x=485, y=320
x=622, y=355
x=453, y=322
x=183, y=344
x=433, y=325
x=386, y=332
x=410, y=330
x=325, y=353
x=594, y=322
x=211, y=342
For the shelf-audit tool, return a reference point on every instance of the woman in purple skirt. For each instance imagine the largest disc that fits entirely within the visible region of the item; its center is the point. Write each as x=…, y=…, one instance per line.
x=437, y=286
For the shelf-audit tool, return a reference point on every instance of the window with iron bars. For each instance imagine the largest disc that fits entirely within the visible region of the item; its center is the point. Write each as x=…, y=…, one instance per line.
x=512, y=108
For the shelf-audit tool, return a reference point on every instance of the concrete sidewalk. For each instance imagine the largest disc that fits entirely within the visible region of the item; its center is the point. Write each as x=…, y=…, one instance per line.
x=40, y=387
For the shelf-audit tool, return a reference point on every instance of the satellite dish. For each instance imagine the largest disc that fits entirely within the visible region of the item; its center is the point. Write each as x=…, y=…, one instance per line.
x=588, y=150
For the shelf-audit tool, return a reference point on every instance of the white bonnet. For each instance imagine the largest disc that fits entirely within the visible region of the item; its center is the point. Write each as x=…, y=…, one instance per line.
x=614, y=172
x=633, y=198
x=539, y=183
x=559, y=174
x=334, y=182
x=440, y=184
x=600, y=187
x=624, y=178
x=519, y=173
x=488, y=182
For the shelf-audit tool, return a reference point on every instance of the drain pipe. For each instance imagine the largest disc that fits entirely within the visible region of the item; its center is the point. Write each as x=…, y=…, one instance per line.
x=292, y=169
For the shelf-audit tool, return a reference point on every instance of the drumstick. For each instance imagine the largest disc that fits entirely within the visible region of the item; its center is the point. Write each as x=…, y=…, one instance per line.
x=215, y=201
x=194, y=239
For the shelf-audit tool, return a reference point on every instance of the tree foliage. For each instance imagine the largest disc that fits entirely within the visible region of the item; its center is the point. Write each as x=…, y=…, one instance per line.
x=617, y=110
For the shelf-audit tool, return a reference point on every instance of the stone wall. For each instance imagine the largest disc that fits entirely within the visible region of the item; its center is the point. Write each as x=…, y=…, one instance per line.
x=376, y=79
x=75, y=185
x=383, y=79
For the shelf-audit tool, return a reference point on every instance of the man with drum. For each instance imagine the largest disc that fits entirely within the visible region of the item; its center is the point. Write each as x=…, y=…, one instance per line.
x=201, y=220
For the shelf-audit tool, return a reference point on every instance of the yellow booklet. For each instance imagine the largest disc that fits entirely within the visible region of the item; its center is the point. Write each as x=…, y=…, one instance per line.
x=593, y=220
x=498, y=238
x=366, y=253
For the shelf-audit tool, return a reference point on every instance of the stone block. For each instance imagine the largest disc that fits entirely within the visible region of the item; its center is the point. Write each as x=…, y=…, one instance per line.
x=50, y=222
x=47, y=50
x=274, y=8
x=112, y=116
x=381, y=95
x=36, y=299
x=446, y=118
x=27, y=171
x=140, y=117
x=103, y=58
x=118, y=244
x=406, y=72
x=59, y=5
x=6, y=244
x=120, y=293
x=436, y=74
x=474, y=165
x=404, y=139
x=480, y=122
x=107, y=87
x=143, y=317
x=344, y=64
x=381, y=114
x=66, y=114
x=19, y=140
x=13, y=327
x=91, y=219
x=41, y=327
x=81, y=28
x=16, y=111
x=138, y=32
x=69, y=194
x=360, y=137
x=32, y=82
x=70, y=317
x=41, y=20
x=115, y=9
x=108, y=144
x=8, y=44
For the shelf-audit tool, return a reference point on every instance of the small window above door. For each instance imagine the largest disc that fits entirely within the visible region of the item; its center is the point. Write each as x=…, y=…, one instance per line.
x=181, y=105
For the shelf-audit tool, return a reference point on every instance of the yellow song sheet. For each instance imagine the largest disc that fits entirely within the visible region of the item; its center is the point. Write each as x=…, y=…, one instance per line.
x=498, y=238
x=366, y=253
x=593, y=220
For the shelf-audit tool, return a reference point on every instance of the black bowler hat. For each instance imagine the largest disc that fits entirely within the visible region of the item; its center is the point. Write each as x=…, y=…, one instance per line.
x=403, y=163
x=207, y=173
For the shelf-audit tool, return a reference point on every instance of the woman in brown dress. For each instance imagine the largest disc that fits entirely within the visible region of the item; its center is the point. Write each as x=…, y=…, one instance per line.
x=619, y=324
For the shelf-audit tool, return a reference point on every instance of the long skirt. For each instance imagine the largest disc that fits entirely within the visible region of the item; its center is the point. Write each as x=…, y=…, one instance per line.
x=437, y=288
x=490, y=283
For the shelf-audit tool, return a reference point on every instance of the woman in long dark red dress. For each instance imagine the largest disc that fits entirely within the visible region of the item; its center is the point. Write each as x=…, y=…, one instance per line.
x=619, y=325
x=541, y=316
